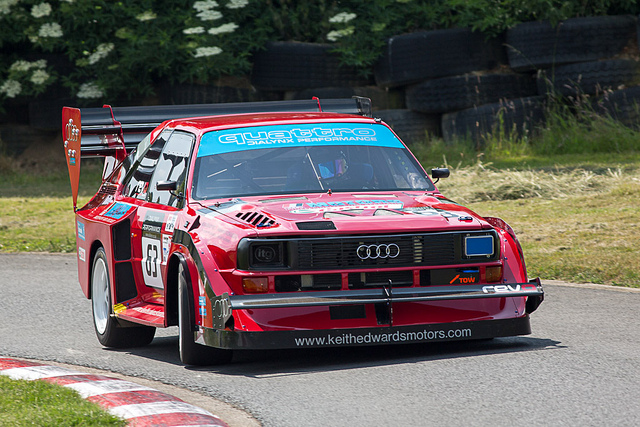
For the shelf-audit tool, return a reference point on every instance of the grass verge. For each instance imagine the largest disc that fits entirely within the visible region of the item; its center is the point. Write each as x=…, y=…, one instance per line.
x=39, y=403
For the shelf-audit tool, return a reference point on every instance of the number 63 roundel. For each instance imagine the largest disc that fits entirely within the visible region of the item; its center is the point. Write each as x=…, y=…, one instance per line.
x=151, y=260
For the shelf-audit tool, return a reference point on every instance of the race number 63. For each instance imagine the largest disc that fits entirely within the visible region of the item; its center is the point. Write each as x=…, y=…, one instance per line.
x=151, y=259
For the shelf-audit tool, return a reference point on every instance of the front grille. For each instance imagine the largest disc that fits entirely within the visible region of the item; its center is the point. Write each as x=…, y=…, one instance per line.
x=380, y=251
x=368, y=252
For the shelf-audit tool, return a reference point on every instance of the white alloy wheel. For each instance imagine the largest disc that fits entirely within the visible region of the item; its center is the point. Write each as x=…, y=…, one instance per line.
x=100, y=295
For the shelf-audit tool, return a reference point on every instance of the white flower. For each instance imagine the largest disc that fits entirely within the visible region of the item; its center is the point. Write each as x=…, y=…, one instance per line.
x=193, y=30
x=207, y=51
x=335, y=35
x=20, y=66
x=41, y=10
x=101, y=52
x=342, y=18
x=209, y=15
x=205, y=5
x=39, y=77
x=50, y=30
x=146, y=16
x=5, y=6
x=11, y=88
x=237, y=4
x=224, y=28
x=89, y=90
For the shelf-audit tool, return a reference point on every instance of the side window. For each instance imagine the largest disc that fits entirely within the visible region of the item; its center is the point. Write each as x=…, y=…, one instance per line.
x=172, y=166
x=136, y=183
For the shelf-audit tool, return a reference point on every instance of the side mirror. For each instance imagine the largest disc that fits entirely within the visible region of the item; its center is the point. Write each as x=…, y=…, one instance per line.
x=438, y=173
x=167, y=185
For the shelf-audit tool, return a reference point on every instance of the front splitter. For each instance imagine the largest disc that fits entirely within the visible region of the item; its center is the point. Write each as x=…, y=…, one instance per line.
x=384, y=335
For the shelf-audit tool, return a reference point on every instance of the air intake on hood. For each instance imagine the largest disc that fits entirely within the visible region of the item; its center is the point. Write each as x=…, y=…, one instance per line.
x=256, y=219
x=316, y=225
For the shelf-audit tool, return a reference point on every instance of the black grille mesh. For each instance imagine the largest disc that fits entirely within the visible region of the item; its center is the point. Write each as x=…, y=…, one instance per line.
x=435, y=249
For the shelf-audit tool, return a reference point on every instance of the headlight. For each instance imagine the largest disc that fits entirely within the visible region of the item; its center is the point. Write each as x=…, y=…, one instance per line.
x=261, y=255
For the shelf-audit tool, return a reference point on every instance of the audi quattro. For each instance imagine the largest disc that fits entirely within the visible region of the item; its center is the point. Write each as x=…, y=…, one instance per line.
x=281, y=225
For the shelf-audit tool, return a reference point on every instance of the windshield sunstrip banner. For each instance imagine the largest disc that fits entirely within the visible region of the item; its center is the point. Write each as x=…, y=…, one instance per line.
x=298, y=135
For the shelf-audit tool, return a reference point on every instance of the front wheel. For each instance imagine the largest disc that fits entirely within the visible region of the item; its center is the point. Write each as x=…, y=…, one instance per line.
x=192, y=353
x=108, y=331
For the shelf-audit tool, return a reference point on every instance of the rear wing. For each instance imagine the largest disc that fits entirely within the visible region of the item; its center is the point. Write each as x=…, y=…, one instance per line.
x=115, y=132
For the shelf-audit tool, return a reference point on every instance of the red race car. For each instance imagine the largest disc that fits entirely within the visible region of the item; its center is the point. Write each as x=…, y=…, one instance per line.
x=281, y=225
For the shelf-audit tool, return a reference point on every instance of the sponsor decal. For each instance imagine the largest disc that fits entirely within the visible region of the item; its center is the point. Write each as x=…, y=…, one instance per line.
x=319, y=207
x=119, y=308
x=500, y=289
x=149, y=311
x=82, y=256
x=81, y=230
x=202, y=301
x=117, y=211
x=309, y=135
x=72, y=133
x=336, y=339
x=221, y=310
x=463, y=280
x=170, y=225
x=203, y=311
x=166, y=246
x=152, y=224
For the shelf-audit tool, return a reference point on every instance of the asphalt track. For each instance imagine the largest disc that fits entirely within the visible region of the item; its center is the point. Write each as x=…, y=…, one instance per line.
x=579, y=367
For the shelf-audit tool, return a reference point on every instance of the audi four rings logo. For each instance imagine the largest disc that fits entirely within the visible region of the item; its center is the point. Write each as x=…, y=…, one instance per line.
x=378, y=251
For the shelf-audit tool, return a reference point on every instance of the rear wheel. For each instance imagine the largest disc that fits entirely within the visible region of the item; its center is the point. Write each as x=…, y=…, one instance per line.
x=108, y=331
x=192, y=353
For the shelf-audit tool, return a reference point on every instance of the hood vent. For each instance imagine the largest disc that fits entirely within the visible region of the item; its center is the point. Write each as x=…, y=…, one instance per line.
x=256, y=219
x=316, y=225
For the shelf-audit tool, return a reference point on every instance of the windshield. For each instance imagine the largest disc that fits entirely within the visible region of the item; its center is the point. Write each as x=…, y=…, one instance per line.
x=288, y=159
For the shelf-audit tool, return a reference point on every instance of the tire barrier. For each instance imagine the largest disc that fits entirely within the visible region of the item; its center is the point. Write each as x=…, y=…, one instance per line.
x=589, y=78
x=621, y=105
x=532, y=45
x=413, y=57
x=461, y=92
x=412, y=127
x=516, y=117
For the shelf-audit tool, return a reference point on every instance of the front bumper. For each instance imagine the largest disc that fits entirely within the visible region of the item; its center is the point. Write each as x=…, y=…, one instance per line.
x=224, y=305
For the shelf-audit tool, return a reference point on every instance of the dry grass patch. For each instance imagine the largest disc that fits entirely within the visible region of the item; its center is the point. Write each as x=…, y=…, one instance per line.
x=575, y=225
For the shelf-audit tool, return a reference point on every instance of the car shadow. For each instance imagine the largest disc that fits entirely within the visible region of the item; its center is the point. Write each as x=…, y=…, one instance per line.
x=262, y=363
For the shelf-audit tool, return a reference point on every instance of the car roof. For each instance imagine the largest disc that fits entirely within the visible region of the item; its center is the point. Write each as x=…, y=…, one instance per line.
x=201, y=125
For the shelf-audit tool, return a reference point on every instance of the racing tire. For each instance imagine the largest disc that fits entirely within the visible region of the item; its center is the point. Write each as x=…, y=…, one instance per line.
x=192, y=353
x=109, y=332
